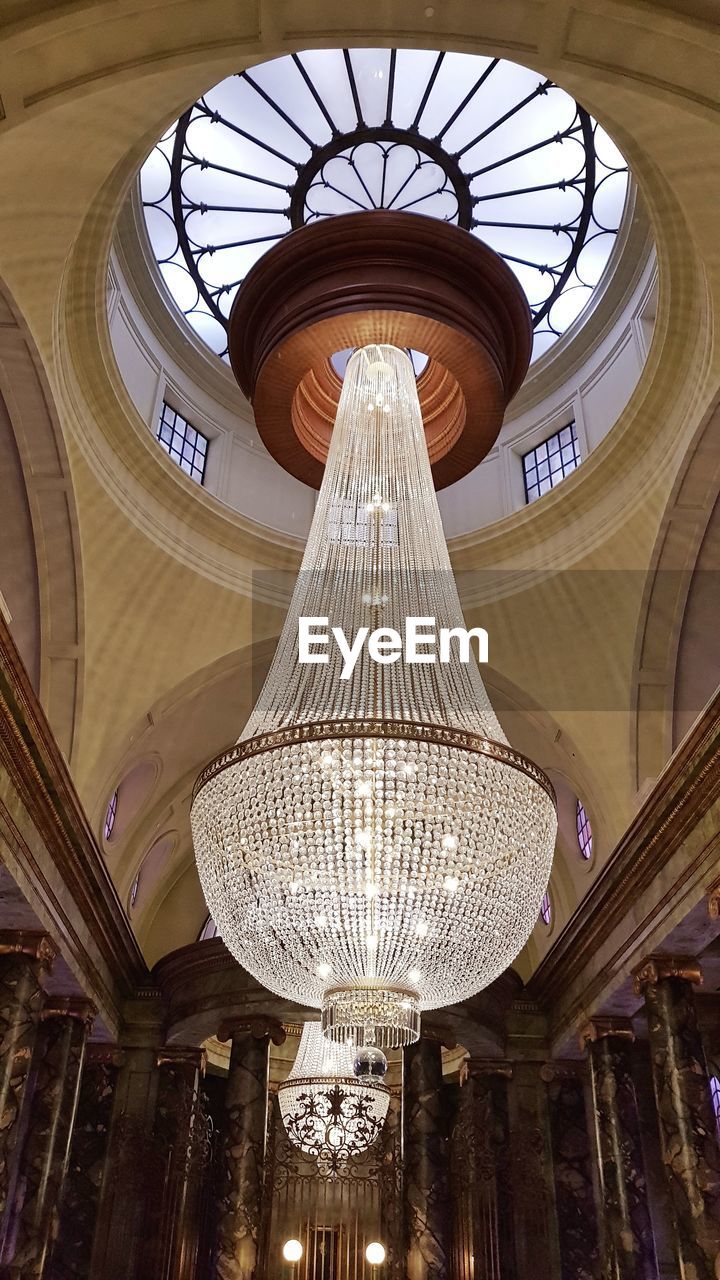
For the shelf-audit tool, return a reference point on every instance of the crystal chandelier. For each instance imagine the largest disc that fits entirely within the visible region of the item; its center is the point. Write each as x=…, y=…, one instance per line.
x=332, y=1106
x=373, y=846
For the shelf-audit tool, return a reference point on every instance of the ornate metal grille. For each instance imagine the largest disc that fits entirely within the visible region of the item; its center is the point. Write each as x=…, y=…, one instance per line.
x=333, y=1218
x=477, y=141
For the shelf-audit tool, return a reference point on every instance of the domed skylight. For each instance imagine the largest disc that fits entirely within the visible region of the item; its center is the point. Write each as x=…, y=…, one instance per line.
x=480, y=142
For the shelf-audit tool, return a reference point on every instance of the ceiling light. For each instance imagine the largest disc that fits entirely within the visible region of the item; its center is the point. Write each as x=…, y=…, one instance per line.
x=434, y=744
x=333, y=1103
x=375, y=1253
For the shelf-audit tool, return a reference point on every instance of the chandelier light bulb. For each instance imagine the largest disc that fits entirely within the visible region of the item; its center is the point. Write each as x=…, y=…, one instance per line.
x=379, y=795
x=375, y=1253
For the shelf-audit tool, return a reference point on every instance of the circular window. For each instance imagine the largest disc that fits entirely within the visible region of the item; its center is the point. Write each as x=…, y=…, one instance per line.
x=584, y=832
x=481, y=142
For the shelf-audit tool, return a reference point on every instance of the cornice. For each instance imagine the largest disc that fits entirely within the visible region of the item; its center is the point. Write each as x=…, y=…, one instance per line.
x=202, y=980
x=41, y=779
x=197, y=960
x=686, y=789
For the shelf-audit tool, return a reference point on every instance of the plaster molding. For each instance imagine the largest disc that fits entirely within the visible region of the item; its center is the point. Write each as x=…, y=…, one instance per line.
x=608, y=922
x=50, y=849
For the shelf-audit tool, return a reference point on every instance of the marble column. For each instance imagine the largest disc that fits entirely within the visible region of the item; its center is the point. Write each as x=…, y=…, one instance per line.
x=426, y=1163
x=572, y=1167
x=24, y=959
x=391, y=1215
x=626, y=1235
x=133, y=1175
x=483, y=1245
x=182, y=1134
x=688, y=1133
x=531, y=1171
x=240, y=1197
x=70, y=1259
x=60, y=1046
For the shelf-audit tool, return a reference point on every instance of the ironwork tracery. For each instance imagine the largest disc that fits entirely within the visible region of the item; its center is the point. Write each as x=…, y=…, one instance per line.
x=472, y=140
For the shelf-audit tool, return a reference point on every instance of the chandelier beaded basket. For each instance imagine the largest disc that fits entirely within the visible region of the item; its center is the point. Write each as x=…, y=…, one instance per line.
x=329, y=1113
x=373, y=846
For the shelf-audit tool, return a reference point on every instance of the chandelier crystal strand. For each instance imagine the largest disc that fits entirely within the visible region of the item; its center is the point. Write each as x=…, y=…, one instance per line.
x=372, y=845
x=327, y=1111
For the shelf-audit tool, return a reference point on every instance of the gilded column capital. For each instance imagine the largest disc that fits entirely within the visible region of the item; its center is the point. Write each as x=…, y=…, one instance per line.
x=257, y=1026
x=183, y=1055
x=70, y=1007
x=28, y=942
x=602, y=1028
x=656, y=969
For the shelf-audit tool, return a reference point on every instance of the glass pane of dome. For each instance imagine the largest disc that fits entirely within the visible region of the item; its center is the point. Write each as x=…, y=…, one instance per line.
x=478, y=141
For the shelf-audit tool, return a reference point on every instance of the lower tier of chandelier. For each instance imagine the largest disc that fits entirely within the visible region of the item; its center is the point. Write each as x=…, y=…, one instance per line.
x=357, y=844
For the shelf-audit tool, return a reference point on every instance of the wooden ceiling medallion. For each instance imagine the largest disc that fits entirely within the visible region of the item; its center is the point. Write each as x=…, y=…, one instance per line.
x=379, y=276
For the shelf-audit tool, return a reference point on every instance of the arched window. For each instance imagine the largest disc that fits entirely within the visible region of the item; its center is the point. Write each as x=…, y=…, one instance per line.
x=546, y=909
x=110, y=813
x=584, y=832
x=715, y=1096
x=209, y=930
x=134, y=891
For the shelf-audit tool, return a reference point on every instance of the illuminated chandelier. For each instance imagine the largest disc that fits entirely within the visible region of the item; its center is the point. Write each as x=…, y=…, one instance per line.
x=333, y=1103
x=372, y=845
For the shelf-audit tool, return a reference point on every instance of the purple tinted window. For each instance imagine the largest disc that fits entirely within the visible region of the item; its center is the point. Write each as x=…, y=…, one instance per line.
x=110, y=814
x=715, y=1095
x=584, y=832
x=209, y=930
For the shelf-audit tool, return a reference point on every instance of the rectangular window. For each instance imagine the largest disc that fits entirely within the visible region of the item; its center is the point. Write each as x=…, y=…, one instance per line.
x=548, y=463
x=186, y=445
